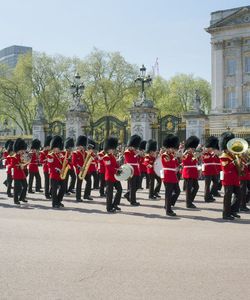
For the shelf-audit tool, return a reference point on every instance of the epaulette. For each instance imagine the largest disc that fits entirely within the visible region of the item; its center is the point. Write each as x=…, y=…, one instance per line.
x=106, y=155
x=225, y=155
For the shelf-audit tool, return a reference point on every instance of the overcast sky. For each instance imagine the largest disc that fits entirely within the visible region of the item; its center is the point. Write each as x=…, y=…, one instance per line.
x=141, y=30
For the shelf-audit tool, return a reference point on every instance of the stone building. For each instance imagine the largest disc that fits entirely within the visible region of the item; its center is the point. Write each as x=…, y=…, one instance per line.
x=230, y=42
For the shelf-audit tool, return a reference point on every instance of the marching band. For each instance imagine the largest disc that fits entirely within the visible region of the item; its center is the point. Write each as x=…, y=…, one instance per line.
x=220, y=163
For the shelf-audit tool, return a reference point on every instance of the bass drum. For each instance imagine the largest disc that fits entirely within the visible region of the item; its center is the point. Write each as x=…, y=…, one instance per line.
x=158, y=167
x=125, y=172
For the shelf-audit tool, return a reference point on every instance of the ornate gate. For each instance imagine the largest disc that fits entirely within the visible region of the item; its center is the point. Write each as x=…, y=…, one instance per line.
x=107, y=126
x=172, y=124
x=56, y=128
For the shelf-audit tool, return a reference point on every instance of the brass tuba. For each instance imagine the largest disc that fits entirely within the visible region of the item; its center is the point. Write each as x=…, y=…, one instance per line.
x=86, y=165
x=65, y=167
x=237, y=146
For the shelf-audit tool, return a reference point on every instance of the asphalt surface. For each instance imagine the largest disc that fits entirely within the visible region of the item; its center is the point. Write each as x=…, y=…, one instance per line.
x=81, y=252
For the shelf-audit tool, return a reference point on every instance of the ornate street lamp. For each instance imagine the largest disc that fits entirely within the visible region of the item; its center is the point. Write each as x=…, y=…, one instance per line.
x=142, y=79
x=77, y=88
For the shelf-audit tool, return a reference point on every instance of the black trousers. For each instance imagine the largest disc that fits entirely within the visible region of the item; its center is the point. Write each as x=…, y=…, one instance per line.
x=133, y=184
x=146, y=176
x=20, y=189
x=244, y=187
x=9, y=183
x=172, y=192
x=208, y=193
x=57, y=191
x=71, y=173
x=109, y=194
x=230, y=206
x=95, y=180
x=87, y=189
x=191, y=189
x=38, y=180
x=102, y=183
x=152, y=189
x=47, y=190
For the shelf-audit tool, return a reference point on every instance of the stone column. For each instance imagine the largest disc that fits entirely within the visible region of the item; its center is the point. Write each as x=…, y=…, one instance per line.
x=77, y=122
x=217, y=76
x=143, y=120
x=239, y=71
x=39, y=124
x=195, y=125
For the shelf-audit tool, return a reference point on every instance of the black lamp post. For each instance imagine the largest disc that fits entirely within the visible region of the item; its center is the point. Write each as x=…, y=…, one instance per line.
x=142, y=79
x=76, y=88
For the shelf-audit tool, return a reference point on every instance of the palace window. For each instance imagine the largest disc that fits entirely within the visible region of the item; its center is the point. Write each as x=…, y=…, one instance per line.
x=247, y=64
x=247, y=99
x=231, y=100
x=231, y=67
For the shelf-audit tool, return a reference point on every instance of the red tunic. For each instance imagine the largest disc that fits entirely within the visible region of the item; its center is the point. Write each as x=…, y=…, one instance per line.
x=209, y=164
x=101, y=166
x=190, y=167
x=33, y=165
x=111, y=167
x=149, y=163
x=55, y=162
x=170, y=168
x=8, y=164
x=92, y=167
x=43, y=159
x=78, y=158
x=143, y=168
x=130, y=157
x=18, y=172
x=230, y=173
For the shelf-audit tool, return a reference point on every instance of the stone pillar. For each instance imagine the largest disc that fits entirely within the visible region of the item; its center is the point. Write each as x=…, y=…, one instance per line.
x=144, y=119
x=217, y=76
x=239, y=71
x=195, y=125
x=77, y=122
x=39, y=124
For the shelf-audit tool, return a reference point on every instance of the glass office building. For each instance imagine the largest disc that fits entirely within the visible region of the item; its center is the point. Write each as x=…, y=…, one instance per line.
x=9, y=56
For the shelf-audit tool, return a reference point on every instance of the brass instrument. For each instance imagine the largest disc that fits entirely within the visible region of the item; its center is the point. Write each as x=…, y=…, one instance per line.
x=25, y=160
x=65, y=167
x=86, y=165
x=237, y=146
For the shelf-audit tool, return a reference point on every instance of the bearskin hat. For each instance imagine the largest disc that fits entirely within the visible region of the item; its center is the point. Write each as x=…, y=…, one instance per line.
x=225, y=138
x=91, y=144
x=143, y=145
x=56, y=142
x=192, y=142
x=35, y=144
x=19, y=144
x=69, y=143
x=47, y=141
x=212, y=142
x=81, y=141
x=110, y=143
x=151, y=146
x=7, y=144
x=171, y=141
x=10, y=146
x=134, y=141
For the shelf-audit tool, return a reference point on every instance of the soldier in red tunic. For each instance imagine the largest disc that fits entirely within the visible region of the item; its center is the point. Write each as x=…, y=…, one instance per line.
x=101, y=172
x=33, y=166
x=78, y=158
x=69, y=146
x=149, y=160
x=18, y=164
x=230, y=179
x=55, y=163
x=131, y=157
x=143, y=168
x=91, y=170
x=4, y=158
x=169, y=173
x=190, y=170
x=209, y=168
x=44, y=161
x=244, y=182
x=9, y=152
x=111, y=167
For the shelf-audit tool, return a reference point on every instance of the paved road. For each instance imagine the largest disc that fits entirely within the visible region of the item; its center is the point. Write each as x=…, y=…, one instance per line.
x=81, y=252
